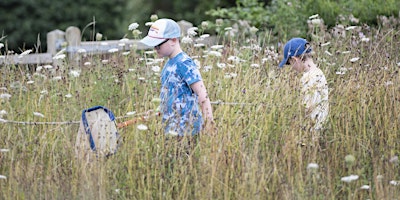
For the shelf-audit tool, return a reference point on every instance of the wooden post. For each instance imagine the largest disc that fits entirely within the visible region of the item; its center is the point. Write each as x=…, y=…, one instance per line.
x=55, y=40
x=73, y=36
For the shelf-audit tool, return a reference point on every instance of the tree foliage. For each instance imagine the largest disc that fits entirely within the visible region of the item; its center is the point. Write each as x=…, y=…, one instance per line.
x=25, y=23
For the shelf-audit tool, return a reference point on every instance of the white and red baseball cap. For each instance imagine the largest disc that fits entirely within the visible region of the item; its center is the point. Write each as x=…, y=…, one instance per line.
x=161, y=30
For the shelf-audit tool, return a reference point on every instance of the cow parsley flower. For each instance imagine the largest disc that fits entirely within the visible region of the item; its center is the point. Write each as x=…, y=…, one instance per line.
x=350, y=178
x=133, y=26
x=38, y=114
x=142, y=127
x=192, y=31
x=25, y=53
x=355, y=59
x=365, y=187
x=5, y=96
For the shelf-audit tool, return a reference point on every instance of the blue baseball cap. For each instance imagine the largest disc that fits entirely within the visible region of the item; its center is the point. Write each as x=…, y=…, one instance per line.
x=161, y=30
x=294, y=47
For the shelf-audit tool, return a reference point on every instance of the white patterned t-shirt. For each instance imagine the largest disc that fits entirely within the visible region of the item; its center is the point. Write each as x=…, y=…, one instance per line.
x=315, y=96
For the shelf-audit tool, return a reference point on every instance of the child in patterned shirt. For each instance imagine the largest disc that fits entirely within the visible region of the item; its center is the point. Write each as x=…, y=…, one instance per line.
x=182, y=87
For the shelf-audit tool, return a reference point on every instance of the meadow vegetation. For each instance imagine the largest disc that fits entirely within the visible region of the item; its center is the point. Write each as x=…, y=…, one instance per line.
x=260, y=150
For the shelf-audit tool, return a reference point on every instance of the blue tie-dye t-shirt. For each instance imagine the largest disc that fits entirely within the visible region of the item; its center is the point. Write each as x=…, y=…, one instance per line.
x=179, y=104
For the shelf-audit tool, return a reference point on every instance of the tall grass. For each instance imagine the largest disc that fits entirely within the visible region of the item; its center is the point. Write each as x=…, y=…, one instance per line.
x=260, y=150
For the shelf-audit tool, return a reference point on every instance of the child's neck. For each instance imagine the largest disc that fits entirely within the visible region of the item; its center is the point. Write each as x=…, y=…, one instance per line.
x=175, y=52
x=309, y=66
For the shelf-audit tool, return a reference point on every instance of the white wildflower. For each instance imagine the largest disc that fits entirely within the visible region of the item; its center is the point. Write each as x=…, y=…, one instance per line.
x=173, y=133
x=325, y=44
x=5, y=96
x=214, y=53
x=133, y=26
x=215, y=47
x=313, y=16
x=126, y=53
x=142, y=127
x=350, y=28
x=3, y=177
x=149, y=52
x=388, y=83
x=3, y=112
x=395, y=183
x=48, y=67
x=4, y=150
x=365, y=187
x=228, y=28
x=234, y=59
x=56, y=78
x=156, y=68
x=25, y=53
x=221, y=65
x=149, y=23
x=312, y=166
x=68, y=95
x=154, y=17
x=340, y=72
x=141, y=78
x=1, y=45
x=253, y=30
x=316, y=21
x=346, y=52
x=204, y=24
x=355, y=59
x=255, y=65
x=192, y=31
x=39, y=68
x=199, y=45
x=99, y=36
x=130, y=113
x=187, y=40
x=75, y=73
x=207, y=68
x=328, y=53
x=30, y=82
x=104, y=61
x=37, y=114
x=364, y=39
x=350, y=178
x=87, y=63
x=204, y=36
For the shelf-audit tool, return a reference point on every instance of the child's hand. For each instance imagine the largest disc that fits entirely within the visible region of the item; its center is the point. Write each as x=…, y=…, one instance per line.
x=210, y=128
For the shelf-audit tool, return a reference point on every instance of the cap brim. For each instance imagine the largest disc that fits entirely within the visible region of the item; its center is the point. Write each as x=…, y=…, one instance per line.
x=151, y=42
x=284, y=61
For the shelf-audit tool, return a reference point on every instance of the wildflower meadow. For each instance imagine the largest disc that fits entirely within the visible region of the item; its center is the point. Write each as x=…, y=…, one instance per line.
x=259, y=149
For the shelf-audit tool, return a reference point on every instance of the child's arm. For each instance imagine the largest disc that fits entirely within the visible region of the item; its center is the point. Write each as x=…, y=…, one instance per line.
x=204, y=101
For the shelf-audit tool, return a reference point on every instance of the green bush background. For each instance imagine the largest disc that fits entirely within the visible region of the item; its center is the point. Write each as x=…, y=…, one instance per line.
x=25, y=23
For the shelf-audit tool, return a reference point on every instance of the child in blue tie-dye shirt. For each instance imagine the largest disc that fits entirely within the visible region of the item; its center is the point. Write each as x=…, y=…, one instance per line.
x=185, y=105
